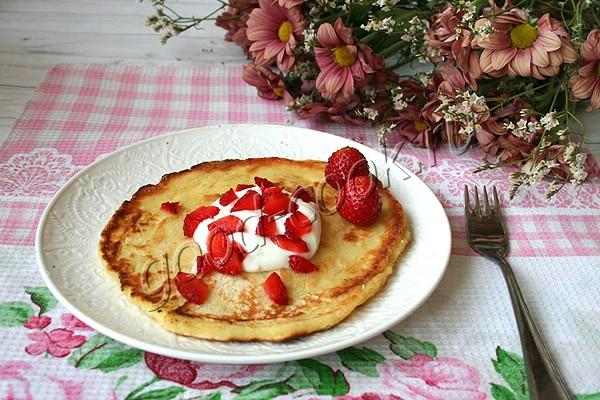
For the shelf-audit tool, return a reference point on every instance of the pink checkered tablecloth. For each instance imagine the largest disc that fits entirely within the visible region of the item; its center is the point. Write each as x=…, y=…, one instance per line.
x=461, y=344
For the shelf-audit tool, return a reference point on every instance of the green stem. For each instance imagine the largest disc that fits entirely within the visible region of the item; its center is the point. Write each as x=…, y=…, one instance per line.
x=390, y=50
x=401, y=62
x=369, y=36
x=140, y=388
x=333, y=17
x=519, y=95
x=549, y=5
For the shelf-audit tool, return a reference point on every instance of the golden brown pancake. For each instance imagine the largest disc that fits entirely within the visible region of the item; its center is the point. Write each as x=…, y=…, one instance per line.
x=141, y=245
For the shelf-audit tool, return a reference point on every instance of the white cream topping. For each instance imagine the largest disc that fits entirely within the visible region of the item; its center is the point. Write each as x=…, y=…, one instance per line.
x=263, y=254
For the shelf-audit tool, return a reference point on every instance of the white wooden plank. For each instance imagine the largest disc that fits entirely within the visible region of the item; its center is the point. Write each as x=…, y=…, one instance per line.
x=13, y=100
x=5, y=125
x=105, y=6
x=49, y=48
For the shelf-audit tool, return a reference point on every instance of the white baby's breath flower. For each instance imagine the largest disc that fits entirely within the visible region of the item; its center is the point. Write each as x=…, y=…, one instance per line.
x=386, y=5
x=310, y=38
x=398, y=99
x=549, y=121
x=303, y=100
x=484, y=30
x=537, y=172
x=423, y=77
x=370, y=113
x=385, y=25
x=569, y=152
x=577, y=169
x=383, y=131
x=304, y=70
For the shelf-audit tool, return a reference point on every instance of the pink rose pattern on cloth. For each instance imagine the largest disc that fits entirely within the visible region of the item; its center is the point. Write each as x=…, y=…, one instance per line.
x=425, y=378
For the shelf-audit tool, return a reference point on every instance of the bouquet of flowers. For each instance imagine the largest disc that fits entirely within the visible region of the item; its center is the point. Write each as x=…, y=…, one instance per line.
x=502, y=76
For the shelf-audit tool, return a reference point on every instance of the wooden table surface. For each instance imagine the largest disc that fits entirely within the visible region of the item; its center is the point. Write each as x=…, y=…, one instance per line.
x=37, y=34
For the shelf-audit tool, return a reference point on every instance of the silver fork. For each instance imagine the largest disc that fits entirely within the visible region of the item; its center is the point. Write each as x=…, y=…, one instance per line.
x=487, y=236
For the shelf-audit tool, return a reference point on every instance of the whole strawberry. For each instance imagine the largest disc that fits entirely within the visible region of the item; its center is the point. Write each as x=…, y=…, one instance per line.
x=359, y=201
x=345, y=163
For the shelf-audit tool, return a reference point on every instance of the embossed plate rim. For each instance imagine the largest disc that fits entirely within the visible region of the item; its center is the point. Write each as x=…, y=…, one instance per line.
x=308, y=350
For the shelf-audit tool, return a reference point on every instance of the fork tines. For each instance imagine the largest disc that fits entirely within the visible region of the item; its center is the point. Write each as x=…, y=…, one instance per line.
x=487, y=207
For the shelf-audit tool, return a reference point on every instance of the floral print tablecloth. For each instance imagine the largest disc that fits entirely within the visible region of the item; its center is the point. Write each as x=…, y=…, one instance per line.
x=461, y=344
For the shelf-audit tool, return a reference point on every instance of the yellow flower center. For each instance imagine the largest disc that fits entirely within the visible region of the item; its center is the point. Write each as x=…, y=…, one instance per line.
x=522, y=36
x=598, y=68
x=278, y=91
x=420, y=126
x=285, y=31
x=343, y=56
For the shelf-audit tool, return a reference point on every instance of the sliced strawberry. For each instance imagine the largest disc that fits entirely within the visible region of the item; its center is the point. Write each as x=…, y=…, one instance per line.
x=278, y=203
x=169, y=207
x=263, y=183
x=290, y=243
x=203, y=266
x=191, y=221
x=267, y=226
x=191, y=288
x=242, y=186
x=223, y=254
x=297, y=224
x=228, y=224
x=301, y=265
x=251, y=200
x=240, y=251
x=302, y=194
x=227, y=197
x=271, y=190
x=233, y=266
x=275, y=289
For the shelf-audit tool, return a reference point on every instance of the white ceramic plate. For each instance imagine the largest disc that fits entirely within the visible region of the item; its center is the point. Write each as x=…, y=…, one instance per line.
x=68, y=233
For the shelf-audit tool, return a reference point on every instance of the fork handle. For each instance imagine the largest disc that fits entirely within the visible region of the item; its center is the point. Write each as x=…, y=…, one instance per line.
x=543, y=378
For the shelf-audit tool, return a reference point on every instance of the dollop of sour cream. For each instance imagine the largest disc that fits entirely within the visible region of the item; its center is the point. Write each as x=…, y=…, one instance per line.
x=262, y=253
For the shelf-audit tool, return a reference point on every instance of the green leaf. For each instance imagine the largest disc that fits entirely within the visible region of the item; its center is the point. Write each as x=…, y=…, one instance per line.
x=512, y=369
x=340, y=386
x=363, y=360
x=120, y=381
x=406, y=347
x=286, y=370
x=168, y=393
x=41, y=297
x=105, y=354
x=15, y=313
x=318, y=376
x=591, y=396
x=260, y=390
x=500, y=392
x=212, y=396
x=122, y=359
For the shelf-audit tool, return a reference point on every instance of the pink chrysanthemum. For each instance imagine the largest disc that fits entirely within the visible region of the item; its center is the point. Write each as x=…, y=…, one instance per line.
x=343, y=63
x=586, y=83
x=290, y=3
x=340, y=112
x=274, y=31
x=519, y=47
x=496, y=139
x=445, y=44
x=415, y=126
x=270, y=86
